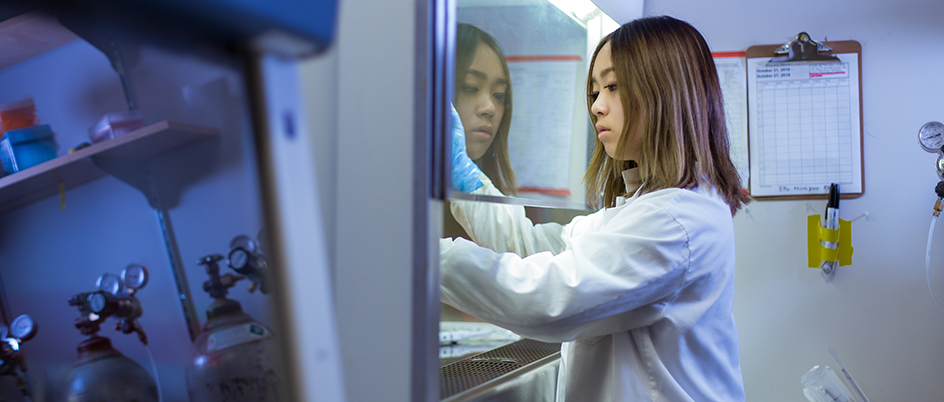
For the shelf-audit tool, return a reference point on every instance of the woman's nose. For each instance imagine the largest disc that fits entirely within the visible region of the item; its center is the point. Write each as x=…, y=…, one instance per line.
x=598, y=107
x=487, y=106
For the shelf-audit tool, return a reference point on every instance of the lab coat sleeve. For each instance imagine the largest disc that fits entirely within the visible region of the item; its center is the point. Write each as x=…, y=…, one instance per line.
x=615, y=279
x=504, y=227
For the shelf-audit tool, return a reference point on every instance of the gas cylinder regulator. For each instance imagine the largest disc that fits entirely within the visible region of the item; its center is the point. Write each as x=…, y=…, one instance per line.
x=114, y=297
x=102, y=373
x=21, y=330
x=235, y=358
x=247, y=258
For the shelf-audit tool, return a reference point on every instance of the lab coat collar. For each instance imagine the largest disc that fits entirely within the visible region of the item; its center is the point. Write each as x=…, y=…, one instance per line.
x=631, y=180
x=632, y=183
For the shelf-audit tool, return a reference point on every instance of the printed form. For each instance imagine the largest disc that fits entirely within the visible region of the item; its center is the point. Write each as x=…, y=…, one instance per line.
x=732, y=74
x=542, y=122
x=804, y=127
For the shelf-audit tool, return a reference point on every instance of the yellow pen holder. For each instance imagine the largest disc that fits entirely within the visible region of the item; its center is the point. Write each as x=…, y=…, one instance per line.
x=816, y=235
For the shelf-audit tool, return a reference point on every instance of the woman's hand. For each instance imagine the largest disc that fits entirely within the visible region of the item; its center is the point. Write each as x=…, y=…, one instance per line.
x=465, y=173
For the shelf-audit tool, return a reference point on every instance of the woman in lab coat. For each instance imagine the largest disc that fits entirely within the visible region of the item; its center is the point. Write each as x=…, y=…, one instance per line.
x=640, y=292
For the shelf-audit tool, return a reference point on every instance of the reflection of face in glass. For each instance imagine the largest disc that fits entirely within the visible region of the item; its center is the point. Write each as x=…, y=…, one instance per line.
x=480, y=100
x=608, y=108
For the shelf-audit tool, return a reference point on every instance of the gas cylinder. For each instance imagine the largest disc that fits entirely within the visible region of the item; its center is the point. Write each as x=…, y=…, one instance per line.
x=235, y=358
x=102, y=373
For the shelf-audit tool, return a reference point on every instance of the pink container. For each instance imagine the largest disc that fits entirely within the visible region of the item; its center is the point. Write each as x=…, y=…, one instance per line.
x=115, y=125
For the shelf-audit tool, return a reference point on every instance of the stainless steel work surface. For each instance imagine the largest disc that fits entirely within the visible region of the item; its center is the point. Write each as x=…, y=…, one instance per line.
x=525, y=370
x=458, y=339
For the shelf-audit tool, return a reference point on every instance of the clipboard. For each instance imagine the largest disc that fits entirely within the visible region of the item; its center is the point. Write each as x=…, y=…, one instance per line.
x=805, y=119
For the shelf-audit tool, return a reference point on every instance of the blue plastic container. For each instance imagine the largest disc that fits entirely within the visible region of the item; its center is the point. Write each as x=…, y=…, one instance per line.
x=27, y=147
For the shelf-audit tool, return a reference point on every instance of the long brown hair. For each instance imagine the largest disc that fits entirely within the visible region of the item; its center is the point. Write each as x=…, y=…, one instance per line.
x=496, y=163
x=669, y=90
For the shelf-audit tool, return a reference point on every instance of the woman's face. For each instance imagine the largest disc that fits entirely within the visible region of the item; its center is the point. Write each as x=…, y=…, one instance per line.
x=608, y=108
x=480, y=100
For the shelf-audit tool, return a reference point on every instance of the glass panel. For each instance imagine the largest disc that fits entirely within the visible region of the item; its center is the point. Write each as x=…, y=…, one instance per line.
x=521, y=96
x=155, y=201
x=532, y=135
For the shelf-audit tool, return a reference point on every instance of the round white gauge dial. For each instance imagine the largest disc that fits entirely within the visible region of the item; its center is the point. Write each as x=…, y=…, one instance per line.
x=134, y=276
x=23, y=327
x=245, y=242
x=110, y=283
x=931, y=136
x=238, y=258
x=97, y=302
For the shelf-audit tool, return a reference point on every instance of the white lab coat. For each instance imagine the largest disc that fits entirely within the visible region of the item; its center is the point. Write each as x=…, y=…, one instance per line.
x=641, y=294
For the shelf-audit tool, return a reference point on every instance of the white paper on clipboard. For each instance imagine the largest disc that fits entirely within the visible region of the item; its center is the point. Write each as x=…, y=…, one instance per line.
x=539, y=141
x=732, y=73
x=804, y=127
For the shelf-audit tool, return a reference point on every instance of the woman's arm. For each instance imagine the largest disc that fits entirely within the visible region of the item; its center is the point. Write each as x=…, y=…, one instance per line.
x=611, y=280
x=504, y=227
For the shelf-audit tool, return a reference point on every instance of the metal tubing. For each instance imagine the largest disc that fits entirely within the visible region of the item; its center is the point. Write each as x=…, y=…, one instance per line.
x=173, y=253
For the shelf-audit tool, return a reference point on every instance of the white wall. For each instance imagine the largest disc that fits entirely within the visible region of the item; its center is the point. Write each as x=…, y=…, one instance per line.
x=877, y=313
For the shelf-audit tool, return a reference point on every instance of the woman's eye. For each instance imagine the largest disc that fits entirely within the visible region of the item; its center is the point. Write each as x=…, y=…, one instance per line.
x=500, y=96
x=469, y=89
x=593, y=96
x=611, y=87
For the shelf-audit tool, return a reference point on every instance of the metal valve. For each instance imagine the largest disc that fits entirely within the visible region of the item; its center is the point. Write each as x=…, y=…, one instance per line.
x=247, y=257
x=931, y=139
x=218, y=285
x=115, y=297
x=22, y=329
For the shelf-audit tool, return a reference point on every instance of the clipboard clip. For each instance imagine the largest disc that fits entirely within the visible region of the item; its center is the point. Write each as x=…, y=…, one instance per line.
x=803, y=49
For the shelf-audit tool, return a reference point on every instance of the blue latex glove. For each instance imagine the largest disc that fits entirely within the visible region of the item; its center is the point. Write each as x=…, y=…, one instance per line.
x=465, y=173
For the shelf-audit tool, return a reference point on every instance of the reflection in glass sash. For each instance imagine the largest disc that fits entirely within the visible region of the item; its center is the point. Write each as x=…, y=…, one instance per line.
x=537, y=155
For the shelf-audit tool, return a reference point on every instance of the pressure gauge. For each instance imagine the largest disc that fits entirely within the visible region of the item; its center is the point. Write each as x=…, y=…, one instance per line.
x=245, y=242
x=239, y=260
x=134, y=276
x=23, y=328
x=931, y=136
x=110, y=283
x=98, y=302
